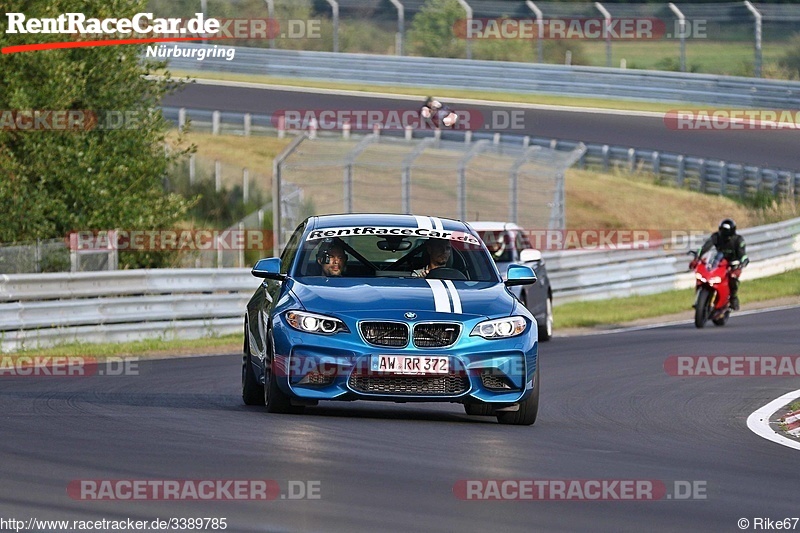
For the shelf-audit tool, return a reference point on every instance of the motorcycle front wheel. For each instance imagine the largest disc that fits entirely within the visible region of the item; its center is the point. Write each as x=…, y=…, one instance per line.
x=703, y=308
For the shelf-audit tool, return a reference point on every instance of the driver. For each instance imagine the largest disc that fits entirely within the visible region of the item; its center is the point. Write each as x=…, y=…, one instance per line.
x=731, y=245
x=438, y=114
x=332, y=259
x=439, y=251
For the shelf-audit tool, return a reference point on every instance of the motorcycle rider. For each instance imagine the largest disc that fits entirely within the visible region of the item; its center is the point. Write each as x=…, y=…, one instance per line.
x=732, y=247
x=438, y=114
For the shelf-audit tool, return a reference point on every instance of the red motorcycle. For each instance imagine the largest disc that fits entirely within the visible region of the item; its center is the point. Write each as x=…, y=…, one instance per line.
x=712, y=290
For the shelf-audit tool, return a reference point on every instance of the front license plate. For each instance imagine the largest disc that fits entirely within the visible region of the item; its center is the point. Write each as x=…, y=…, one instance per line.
x=411, y=364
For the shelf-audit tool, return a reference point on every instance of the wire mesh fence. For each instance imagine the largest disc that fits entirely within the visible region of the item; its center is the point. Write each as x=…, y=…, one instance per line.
x=478, y=180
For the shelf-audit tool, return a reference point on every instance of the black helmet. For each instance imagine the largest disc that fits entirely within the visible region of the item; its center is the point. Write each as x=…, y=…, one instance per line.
x=727, y=228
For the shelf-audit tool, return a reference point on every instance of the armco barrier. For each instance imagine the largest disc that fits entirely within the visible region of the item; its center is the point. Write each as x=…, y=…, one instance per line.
x=503, y=76
x=44, y=309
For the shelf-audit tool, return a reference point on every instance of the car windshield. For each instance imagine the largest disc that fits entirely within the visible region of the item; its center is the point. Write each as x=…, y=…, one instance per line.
x=398, y=256
x=500, y=244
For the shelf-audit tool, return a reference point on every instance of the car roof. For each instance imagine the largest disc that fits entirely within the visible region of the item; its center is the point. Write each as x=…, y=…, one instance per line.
x=387, y=219
x=494, y=226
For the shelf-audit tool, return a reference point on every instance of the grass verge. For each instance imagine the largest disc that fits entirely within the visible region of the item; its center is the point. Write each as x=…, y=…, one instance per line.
x=143, y=348
x=621, y=310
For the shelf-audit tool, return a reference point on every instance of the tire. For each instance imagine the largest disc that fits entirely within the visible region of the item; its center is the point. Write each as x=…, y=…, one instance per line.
x=275, y=399
x=546, y=329
x=252, y=390
x=528, y=410
x=478, y=409
x=721, y=321
x=703, y=309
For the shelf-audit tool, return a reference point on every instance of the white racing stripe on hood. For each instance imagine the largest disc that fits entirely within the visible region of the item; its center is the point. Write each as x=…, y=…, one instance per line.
x=453, y=295
x=440, y=298
x=437, y=223
x=423, y=222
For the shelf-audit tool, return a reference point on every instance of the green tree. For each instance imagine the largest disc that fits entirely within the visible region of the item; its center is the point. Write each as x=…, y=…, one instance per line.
x=433, y=30
x=54, y=182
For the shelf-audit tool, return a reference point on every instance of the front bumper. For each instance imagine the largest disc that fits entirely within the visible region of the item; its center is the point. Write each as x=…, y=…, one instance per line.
x=340, y=367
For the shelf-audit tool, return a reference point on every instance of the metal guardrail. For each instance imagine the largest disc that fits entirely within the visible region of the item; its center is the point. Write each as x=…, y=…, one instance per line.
x=43, y=309
x=593, y=275
x=712, y=176
x=502, y=76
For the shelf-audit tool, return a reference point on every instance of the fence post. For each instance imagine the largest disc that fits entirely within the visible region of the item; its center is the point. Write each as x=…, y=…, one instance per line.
x=215, y=123
x=346, y=129
x=241, y=240
x=37, y=256
x=681, y=171
x=113, y=250
x=702, y=175
x=281, y=127
x=248, y=121
x=656, y=163
x=631, y=159
x=192, y=168
x=605, y=151
x=245, y=185
x=181, y=117
x=217, y=175
x=409, y=133
x=723, y=178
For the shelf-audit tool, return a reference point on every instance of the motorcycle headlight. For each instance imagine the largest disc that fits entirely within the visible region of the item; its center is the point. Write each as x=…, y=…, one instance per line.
x=715, y=280
x=699, y=276
x=500, y=328
x=313, y=323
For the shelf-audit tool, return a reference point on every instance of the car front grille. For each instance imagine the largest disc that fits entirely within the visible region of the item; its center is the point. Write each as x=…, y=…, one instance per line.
x=393, y=334
x=435, y=335
x=446, y=385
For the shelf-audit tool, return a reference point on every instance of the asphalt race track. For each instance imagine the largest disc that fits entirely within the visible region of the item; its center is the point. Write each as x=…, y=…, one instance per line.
x=767, y=148
x=609, y=411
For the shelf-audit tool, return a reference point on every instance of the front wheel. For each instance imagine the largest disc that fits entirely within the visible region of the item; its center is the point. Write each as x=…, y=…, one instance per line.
x=252, y=390
x=703, y=308
x=546, y=329
x=528, y=410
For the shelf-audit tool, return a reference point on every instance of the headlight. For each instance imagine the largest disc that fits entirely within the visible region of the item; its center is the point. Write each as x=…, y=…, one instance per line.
x=500, y=328
x=312, y=323
x=714, y=280
x=699, y=276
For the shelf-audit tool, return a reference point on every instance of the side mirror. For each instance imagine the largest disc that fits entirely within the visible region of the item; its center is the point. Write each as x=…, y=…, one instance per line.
x=530, y=255
x=269, y=268
x=519, y=275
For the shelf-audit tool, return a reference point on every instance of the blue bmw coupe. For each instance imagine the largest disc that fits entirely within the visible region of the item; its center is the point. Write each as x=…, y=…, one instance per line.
x=392, y=308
